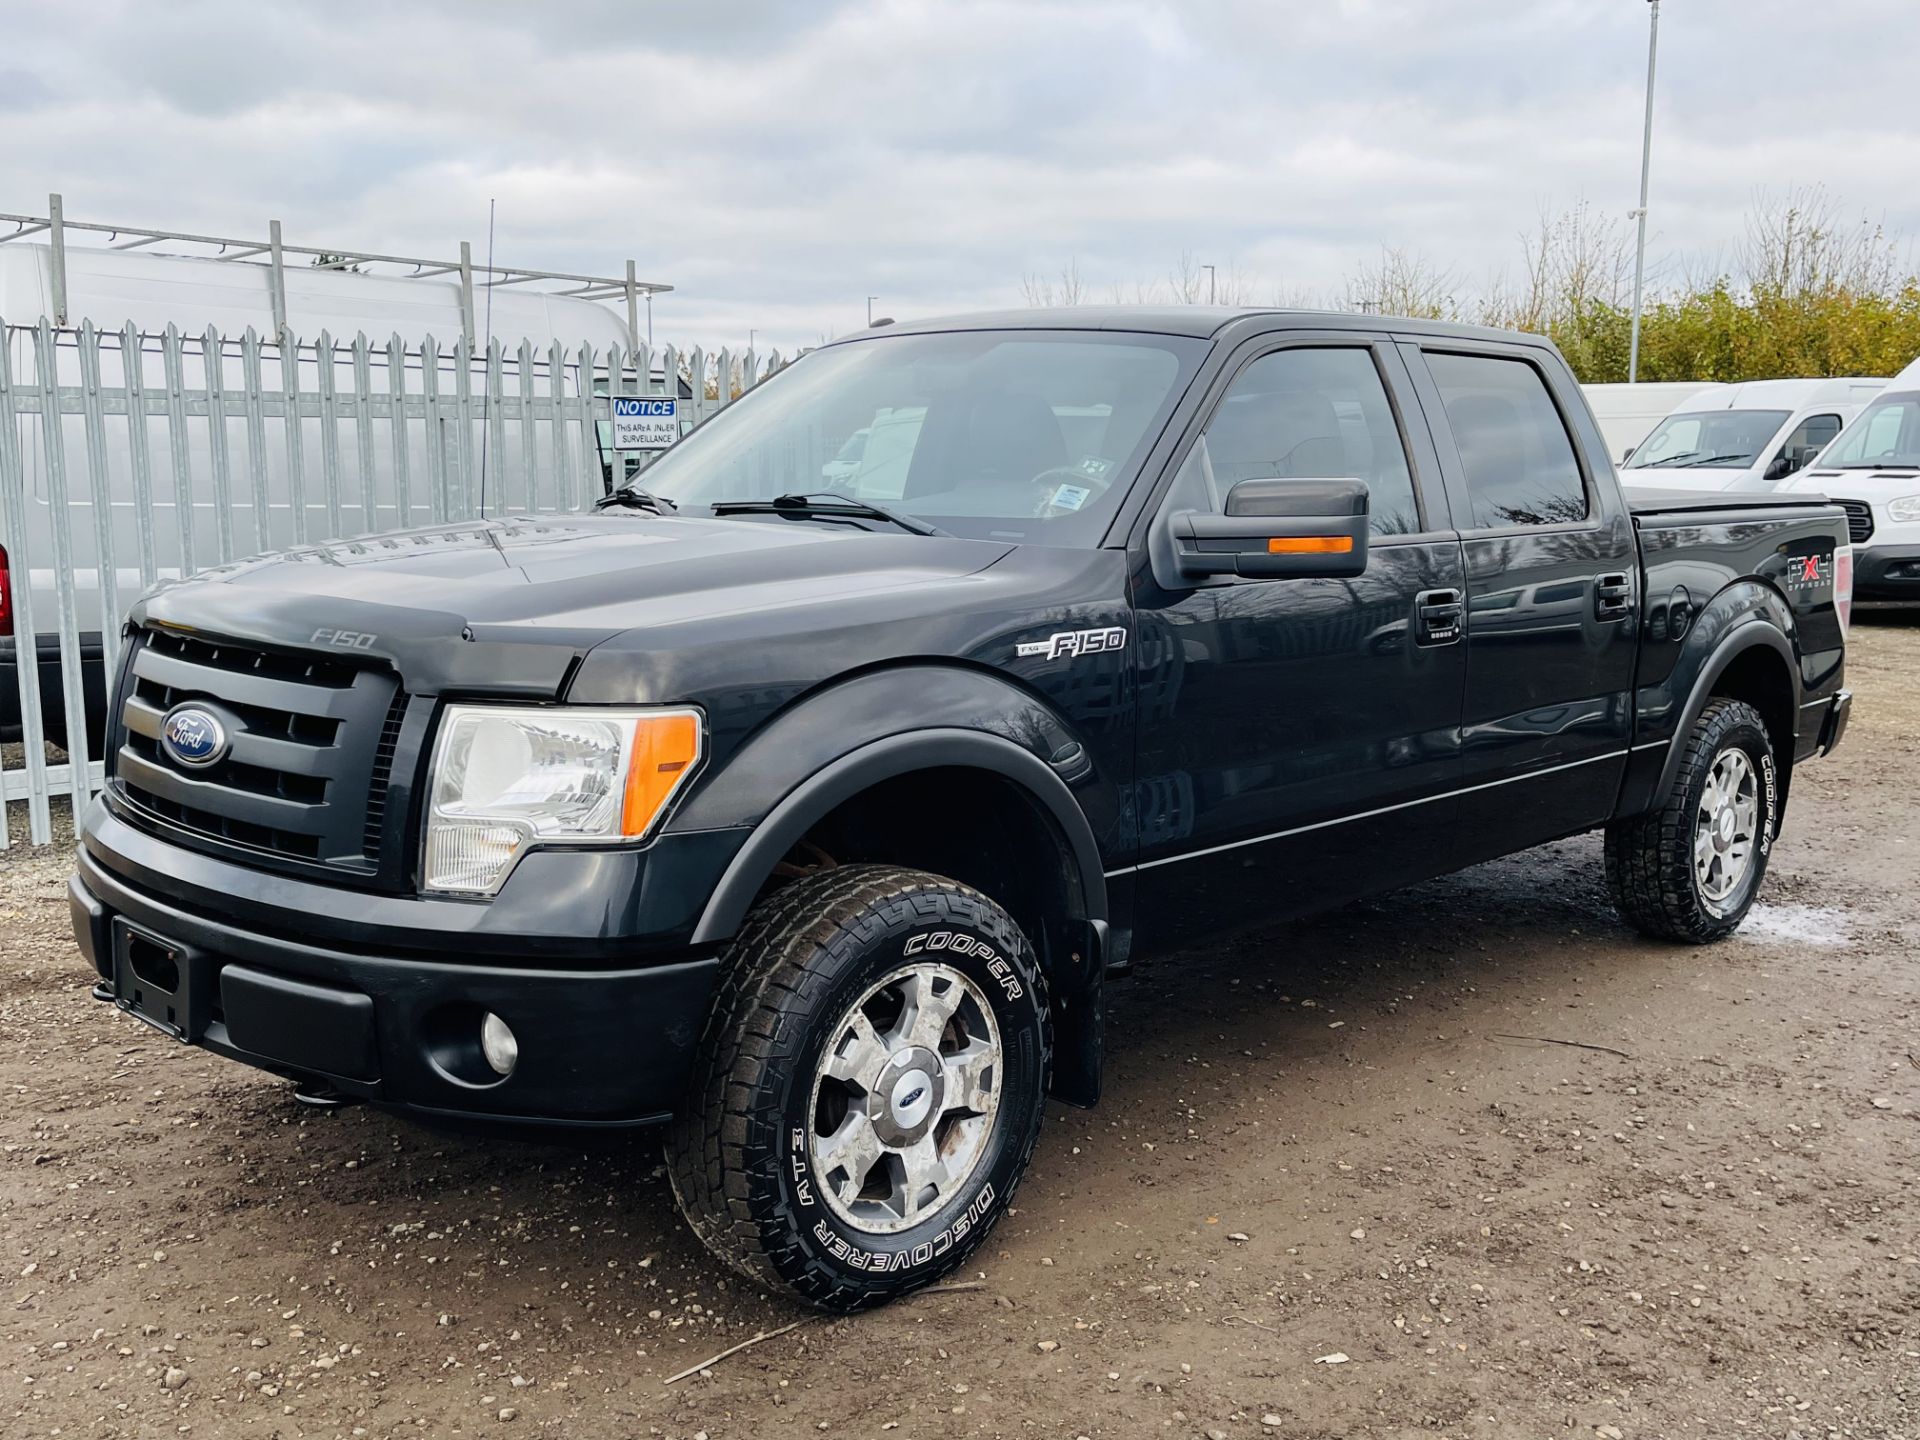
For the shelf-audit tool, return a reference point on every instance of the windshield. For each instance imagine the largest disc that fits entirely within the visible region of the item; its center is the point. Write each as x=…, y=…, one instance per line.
x=1885, y=434
x=1716, y=439
x=1025, y=435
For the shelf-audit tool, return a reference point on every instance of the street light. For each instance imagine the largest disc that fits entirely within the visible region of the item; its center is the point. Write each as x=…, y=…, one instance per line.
x=1646, y=158
x=1210, y=285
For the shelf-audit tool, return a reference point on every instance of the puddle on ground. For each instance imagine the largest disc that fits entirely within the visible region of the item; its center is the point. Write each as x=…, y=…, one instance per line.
x=1795, y=924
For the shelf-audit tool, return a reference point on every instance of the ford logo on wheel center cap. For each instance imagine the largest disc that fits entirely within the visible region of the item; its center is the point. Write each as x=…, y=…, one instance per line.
x=193, y=736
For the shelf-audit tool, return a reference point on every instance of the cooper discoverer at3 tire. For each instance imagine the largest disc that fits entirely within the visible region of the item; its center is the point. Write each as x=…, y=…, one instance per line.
x=1690, y=869
x=869, y=1086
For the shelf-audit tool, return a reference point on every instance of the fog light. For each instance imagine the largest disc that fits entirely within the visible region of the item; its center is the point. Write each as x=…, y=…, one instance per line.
x=498, y=1045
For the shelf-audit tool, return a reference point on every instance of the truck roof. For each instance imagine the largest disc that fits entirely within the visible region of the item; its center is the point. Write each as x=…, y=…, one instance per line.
x=1201, y=321
x=1787, y=394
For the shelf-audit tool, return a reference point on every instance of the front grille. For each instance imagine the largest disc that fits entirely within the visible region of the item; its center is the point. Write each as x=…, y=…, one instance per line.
x=383, y=753
x=1859, y=520
x=312, y=741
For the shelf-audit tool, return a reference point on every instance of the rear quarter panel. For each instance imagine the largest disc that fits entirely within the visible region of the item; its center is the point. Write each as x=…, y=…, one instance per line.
x=1717, y=583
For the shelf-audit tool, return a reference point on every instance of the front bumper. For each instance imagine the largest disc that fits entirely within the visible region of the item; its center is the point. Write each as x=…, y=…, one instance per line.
x=1886, y=572
x=395, y=1026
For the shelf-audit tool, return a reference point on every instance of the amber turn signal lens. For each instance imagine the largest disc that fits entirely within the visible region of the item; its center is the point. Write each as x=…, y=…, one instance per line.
x=1310, y=545
x=664, y=749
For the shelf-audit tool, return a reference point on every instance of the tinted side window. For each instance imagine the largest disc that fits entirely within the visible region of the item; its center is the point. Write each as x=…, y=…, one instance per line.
x=1313, y=414
x=1519, y=461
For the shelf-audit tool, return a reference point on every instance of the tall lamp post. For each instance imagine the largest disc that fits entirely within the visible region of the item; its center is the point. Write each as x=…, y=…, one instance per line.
x=1210, y=285
x=1646, y=158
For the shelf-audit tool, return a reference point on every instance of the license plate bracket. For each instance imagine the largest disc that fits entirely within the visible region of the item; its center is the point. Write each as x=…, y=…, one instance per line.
x=162, y=982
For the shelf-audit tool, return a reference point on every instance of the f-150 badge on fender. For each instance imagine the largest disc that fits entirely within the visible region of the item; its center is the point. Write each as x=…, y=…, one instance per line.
x=1074, y=642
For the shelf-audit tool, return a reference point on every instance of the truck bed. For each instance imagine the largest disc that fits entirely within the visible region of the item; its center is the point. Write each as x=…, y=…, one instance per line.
x=1669, y=502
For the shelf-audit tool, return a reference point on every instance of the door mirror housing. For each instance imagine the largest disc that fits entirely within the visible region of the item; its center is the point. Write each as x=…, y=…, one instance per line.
x=1277, y=528
x=1784, y=464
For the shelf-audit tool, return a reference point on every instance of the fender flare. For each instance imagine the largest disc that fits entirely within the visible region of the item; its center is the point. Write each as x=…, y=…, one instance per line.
x=1754, y=633
x=883, y=759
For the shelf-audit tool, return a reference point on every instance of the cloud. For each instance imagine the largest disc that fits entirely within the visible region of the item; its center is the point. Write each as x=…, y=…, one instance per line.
x=778, y=162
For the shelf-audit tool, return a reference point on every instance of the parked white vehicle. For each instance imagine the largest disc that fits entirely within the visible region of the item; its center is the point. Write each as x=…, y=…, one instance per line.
x=1749, y=436
x=1873, y=472
x=1627, y=413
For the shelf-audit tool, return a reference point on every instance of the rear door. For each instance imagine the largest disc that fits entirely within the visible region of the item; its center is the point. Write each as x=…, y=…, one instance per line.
x=1298, y=736
x=1552, y=593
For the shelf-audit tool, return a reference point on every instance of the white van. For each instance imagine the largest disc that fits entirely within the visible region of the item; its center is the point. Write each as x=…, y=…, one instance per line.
x=1749, y=436
x=1627, y=413
x=1872, y=471
x=150, y=291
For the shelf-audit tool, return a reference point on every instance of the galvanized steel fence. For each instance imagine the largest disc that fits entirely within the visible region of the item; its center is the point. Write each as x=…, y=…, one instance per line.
x=127, y=459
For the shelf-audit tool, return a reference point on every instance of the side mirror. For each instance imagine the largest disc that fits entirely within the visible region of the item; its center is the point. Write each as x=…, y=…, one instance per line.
x=1783, y=465
x=1629, y=455
x=1275, y=528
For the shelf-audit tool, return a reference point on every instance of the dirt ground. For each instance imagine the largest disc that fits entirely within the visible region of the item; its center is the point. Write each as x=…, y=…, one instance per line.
x=1335, y=1190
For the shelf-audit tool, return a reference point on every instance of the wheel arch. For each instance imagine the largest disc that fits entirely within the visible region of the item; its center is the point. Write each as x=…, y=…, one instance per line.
x=930, y=745
x=1753, y=662
x=860, y=771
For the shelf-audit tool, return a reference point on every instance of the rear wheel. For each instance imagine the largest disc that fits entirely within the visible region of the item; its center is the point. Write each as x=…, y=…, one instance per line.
x=869, y=1087
x=1690, y=870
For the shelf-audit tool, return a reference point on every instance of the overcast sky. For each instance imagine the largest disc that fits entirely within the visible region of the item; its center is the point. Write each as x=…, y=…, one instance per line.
x=778, y=162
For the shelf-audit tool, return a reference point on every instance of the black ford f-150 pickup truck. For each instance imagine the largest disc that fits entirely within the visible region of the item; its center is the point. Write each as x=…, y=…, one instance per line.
x=806, y=802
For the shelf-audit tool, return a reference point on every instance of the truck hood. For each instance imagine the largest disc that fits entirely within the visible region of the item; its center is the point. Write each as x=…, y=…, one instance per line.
x=512, y=604
x=1864, y=484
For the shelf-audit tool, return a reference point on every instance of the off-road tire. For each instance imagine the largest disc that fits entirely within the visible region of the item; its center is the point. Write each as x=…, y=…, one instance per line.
x=1650, y=865
x=736, y=1159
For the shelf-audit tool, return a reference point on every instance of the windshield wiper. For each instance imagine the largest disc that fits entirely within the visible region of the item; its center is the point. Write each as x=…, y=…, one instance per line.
x=828, y=503
x=1714, y=460
x=1879, y=465
x=1663, y=460
x=633, y=497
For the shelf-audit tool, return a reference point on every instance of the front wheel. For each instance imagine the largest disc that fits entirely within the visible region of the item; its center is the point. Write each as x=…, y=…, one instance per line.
x=1690, y=870
x=869, y=1087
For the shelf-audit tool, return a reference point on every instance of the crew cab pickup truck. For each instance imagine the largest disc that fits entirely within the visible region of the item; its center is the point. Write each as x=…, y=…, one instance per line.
x=813, y=821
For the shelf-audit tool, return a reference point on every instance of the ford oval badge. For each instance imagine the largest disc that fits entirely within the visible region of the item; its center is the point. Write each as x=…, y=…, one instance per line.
x=193, y=736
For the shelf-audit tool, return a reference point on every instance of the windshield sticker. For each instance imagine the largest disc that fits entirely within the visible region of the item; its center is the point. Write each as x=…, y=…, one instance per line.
x=1071, y=497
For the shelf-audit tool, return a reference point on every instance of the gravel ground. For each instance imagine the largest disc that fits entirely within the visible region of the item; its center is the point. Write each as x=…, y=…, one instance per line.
x=1470, y=1161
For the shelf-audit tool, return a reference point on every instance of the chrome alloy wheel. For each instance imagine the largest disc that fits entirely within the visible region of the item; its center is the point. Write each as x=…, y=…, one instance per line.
x=904, y=1098
x=1726, y=828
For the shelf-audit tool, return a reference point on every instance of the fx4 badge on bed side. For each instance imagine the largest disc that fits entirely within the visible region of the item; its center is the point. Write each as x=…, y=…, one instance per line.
x=1074, y=642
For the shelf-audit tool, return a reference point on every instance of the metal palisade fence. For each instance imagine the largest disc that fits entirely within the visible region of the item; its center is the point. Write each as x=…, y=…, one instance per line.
x=129, y=459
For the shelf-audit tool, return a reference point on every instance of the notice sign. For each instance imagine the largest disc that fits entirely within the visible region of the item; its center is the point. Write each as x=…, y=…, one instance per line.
x=644, y=424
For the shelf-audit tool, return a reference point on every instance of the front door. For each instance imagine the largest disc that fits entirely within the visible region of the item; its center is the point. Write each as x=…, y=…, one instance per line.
x=1552, y=597
x=1298, y=737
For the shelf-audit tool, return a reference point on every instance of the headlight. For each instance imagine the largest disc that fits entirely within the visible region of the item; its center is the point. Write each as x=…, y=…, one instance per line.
x=506, y=779
x=1907, y=507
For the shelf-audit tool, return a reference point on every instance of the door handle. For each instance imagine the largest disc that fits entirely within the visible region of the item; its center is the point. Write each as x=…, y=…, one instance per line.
x=1612, y=596
x=1439, y=615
